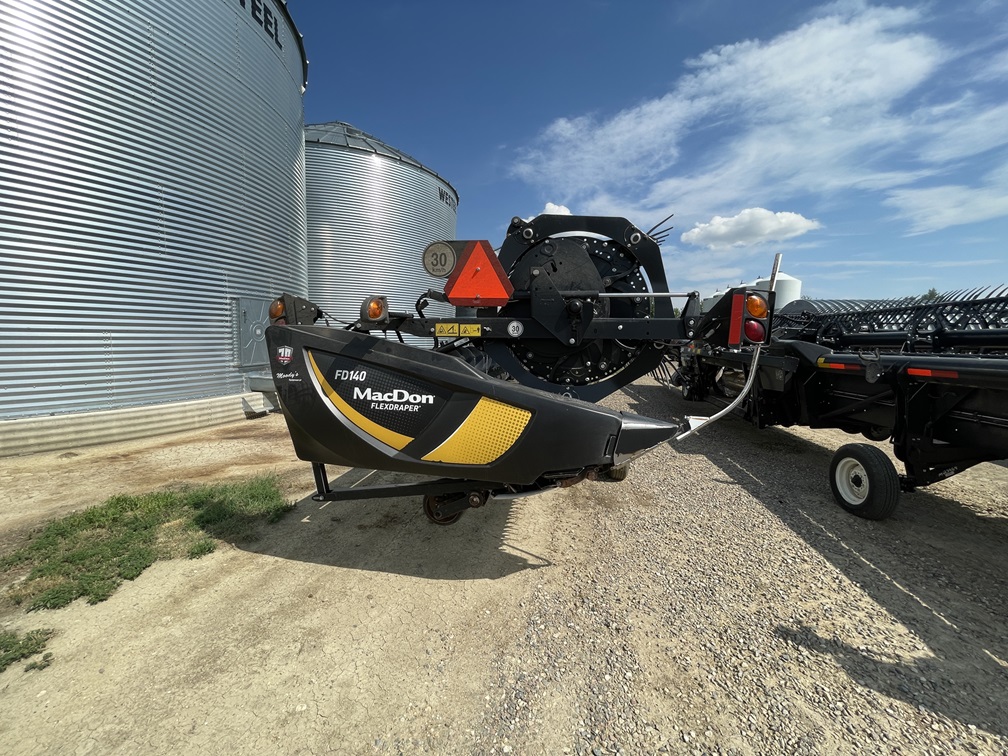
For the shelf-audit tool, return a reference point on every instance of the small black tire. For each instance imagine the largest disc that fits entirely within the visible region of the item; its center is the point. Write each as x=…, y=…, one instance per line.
x=431, y=508
x=691, y=392
x=864, y=481
x=877, y=433
x=619, y=472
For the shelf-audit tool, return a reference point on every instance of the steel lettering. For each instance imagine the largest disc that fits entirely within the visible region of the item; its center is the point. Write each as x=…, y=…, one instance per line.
x=262, y=15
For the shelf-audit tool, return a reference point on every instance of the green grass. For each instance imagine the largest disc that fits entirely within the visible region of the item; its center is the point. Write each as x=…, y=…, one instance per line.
x=14, y=648
x=89, y=554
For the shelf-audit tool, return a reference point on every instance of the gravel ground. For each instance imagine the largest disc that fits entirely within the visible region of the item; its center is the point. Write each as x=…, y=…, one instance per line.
x=726, y=605
x=717, y=601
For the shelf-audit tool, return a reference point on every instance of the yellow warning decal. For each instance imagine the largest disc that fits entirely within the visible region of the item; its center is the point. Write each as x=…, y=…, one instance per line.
x=489, y=431
x=393, y=439
x=470, y=330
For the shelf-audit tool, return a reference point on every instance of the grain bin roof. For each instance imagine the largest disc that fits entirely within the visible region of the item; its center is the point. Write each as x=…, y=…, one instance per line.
x=342, y=134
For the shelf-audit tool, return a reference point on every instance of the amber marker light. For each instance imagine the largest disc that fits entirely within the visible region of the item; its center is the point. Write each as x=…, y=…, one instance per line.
x=277, y=309
x=756, y=306
x=375, y=309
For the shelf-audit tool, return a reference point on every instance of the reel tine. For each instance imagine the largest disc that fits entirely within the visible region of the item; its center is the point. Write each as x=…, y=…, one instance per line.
x=659, y=223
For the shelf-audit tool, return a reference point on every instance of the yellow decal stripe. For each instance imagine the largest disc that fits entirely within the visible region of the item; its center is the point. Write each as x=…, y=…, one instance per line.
x=393, y=439
x=489, y=431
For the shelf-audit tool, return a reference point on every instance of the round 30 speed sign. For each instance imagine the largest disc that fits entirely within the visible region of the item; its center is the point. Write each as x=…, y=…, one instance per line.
x=439, y=259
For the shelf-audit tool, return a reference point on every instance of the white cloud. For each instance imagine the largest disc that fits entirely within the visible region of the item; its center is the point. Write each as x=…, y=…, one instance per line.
x=591, y=152
x=552, y=209
x=932, y=208
x=959, y=263
x=815, y=93
x=753, y=225
x=866, y=263
x=844, y=102
x=826, y=67
x=708, y=272
x=952, y=137
x=994, y=67
x=937, y=207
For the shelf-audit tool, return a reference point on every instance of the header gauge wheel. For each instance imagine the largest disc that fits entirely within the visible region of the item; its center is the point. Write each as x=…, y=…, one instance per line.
x=432, y=508
x=864, y=481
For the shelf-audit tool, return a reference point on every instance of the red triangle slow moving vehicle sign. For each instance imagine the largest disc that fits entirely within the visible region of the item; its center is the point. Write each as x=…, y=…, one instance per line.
x=479, y=279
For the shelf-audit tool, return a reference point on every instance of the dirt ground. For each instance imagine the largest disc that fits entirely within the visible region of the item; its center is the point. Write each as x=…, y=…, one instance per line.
x=716, y=601
x=39, y=486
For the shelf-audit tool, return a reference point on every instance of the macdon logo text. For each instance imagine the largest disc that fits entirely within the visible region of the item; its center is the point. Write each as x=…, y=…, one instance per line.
x=393, y=400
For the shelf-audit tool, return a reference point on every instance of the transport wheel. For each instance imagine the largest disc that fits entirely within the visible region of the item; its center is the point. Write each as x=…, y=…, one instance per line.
x=864, y=481
x=619, y=472
x=431, y=505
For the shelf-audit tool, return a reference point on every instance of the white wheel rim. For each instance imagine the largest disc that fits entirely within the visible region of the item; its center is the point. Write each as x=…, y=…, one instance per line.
x=852, y=481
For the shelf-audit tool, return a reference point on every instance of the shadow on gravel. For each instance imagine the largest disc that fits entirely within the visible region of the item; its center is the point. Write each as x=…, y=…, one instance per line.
x=936, y=566
x=394, y=536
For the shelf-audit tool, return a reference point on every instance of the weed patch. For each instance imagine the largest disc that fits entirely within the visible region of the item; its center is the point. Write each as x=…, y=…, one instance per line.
x=14, y=647
x=89, y=554
x=42, y=663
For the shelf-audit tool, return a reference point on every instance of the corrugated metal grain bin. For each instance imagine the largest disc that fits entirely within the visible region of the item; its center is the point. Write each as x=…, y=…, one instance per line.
x=151, y=197
x=371, y=212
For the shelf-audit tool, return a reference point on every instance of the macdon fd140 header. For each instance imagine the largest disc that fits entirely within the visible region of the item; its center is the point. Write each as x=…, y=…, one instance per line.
x=571, y=309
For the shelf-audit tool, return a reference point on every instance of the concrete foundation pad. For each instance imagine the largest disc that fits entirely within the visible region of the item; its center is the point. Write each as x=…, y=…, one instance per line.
x=58, y=432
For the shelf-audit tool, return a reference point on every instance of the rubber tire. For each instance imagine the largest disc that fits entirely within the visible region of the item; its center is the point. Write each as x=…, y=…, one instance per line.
x=691, y=393
x=864, y=481
x=619, y=472
x=430, y=504
x=877, y=433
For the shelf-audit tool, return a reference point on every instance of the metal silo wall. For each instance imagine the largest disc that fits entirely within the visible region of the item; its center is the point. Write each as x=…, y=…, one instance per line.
x=369, y=219
x=151, y=172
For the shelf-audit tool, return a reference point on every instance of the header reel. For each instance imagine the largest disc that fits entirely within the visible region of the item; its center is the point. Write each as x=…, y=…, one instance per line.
x=570, y=273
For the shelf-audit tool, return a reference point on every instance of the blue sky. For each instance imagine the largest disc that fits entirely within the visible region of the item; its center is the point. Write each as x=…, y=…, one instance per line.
x=868, y=142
